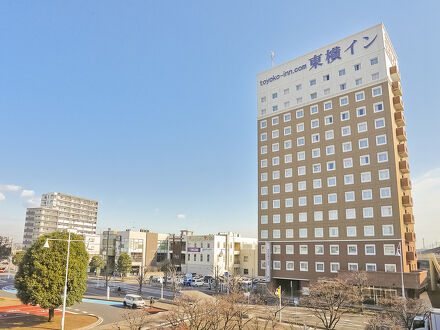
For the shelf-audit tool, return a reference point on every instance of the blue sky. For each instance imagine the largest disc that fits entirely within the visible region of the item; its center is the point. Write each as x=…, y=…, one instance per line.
x=149, y=107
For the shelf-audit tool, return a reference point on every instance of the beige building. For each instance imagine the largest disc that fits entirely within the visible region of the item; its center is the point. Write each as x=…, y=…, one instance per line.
x=334, y=182
x=59, y=212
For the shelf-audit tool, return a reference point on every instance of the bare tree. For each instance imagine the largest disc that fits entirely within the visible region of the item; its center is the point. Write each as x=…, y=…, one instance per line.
x=360, y=281
x=327, y=300
x=141, y=278
x=132, y=319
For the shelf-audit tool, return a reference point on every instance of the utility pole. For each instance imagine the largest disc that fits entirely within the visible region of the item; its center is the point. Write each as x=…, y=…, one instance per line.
x=107, y=264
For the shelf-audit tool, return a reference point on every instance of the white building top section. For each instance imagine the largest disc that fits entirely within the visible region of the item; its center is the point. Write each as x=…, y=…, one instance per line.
x=351, y=63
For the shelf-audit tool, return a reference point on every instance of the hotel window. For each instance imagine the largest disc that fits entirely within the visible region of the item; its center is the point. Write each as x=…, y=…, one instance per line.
x=352, y=249
x=328, y=105
x=288, y=187
x=367, y=194
x=357, y=67
x=263, y=163
x=315, y=138
x=357, y=83
x=390, y=268
x=263, y=99
x=303, y=233
x=263, y=124
x=370, y=267
x=286, y=91
x=381, y=140
x=345, y=115
x=341, y=72
x=288, y=173
x=263, y=234
x=263, y=137
x=302, y=217
x=275, y=147
x=317, y=183
x=318, y=215
x=313, y=96
x=301, y=155
x=289, y=217
x=264, y=205
x=365, y=177
x=326, y=91
x=365, y=160
x=329, y=135
x=287, y=144
x=276, y=204
x=302, y=201
x=389, y=250
x=370, y=249
x=375, y=76
x=276, y=249
x=374, y=61
x=276, y=189
x=263, y=150
x=316, y=168
x=376, y=91
x=263, y=112
x=360, y=112
x=326, y=77
x=303, y=249
x=275, y=175
x=275, y=161
x=288, y=202
x=378, y=107
x=334, y=267
x=287, y=117
x=302, y=185
x=346, y=146
x=330, y=150
x=331, y=166
x=319, y=249
x=334, y=250
x=312, y=82
x=368, y=231
x=289, y=249
x=363, y=143
x=346, y=130
x=317, y=199
x=348, y=179
x=362, y=127
x=319, y=267
x=351, y=231
x=303, y=266
x=367, y=212
x=263, y=177
x=299, y=127
x=264, y=191
x=289, y=233
x=314, y=123
x=263, y=264
x=287, y=130
x=276, y=233
x=386, y=211
x=276, y=265
x=314, y=109
x=287, y=104
x=262, y=248
x=289, y=265
x=275, y=121
x=300, y=113
x=298, y=87
x=300, y=141
x=382, y=157
x=385, y=192
x=349, y=196
x=264, y=220
x=333, y=214
x=343, y=100
x=328, y=120
x=332, y=198
x=316, y=153
x=275, y=134
x=350, y=214
x=301, y=170
x=274, y=95
x=274, y=108
x=379, y=123
x=384, y=174
x=333, y=231
x=387, y=230
x=353, y=266
x=331, y=181
x=342, y=86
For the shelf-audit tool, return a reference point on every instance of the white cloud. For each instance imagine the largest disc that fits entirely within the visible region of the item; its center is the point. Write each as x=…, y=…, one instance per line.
x=9, y=187
x=181, y=216
x=426, y=195
x=32, y=202
x=2, y=197
x=27, y=193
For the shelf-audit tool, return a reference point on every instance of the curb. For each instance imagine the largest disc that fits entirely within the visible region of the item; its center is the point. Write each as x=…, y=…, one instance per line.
x=93, y=325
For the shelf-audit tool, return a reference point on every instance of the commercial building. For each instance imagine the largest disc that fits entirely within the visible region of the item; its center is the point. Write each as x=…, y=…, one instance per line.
x=59, y=212
x=333, y=174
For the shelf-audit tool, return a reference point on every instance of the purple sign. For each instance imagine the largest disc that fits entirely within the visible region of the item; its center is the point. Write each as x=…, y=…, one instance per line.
x=193, y=249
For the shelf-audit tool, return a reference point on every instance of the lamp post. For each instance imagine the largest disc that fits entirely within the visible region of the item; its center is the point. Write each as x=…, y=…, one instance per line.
x=46, y=245
x=400, y=254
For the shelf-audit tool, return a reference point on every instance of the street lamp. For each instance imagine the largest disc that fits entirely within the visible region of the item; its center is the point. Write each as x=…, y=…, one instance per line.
x=46, y=245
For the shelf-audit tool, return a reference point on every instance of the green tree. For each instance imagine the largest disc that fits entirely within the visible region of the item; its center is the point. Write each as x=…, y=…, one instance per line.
x=96, y=262
x=41, y=274
x=124, y=264
x=18, y=256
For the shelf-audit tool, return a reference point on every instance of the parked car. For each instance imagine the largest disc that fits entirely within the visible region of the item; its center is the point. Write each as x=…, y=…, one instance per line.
x=197, y=282
x=134, y=301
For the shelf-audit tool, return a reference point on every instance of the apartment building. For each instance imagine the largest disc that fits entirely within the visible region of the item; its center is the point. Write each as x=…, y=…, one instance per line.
x=333, y=174
x=59, y=212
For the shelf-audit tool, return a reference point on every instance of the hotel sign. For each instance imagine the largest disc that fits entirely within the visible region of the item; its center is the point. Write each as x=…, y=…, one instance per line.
x=193, y=249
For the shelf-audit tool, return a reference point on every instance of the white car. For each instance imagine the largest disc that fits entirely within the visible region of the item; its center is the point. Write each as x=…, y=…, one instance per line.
x=134, y=301
x=197, y=282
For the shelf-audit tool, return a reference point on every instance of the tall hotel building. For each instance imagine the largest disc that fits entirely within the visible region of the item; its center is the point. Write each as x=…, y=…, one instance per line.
x=59, y=212
x=334, y=191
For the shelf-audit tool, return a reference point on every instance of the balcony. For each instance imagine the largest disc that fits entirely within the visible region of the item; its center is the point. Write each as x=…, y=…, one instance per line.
x=407, y=201
x=402, y=150
x=403, y=166
x=399, y=118
x=410, y=236
x=396, y=88
x=398, y=103
x=410, y=256
x=401, y=134
x=394, y=73
x=408, y=219
x=405, y=183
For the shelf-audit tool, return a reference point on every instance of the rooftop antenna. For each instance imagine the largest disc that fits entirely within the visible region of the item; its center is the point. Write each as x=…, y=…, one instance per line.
x=272, y=55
